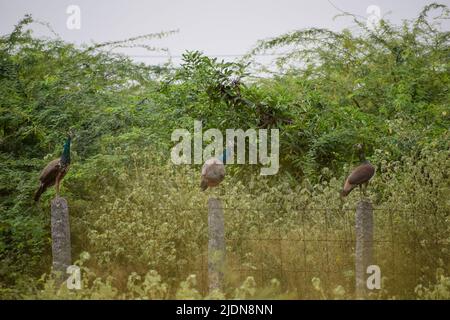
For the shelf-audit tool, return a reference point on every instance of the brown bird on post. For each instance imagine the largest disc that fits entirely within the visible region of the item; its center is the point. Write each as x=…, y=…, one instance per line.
x=213, y=170
x=55, y=171
x=360, y=176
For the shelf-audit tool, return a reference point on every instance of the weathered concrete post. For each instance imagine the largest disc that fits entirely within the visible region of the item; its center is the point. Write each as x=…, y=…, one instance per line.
x=216, y=244
x=61, y=252
x=364, y=246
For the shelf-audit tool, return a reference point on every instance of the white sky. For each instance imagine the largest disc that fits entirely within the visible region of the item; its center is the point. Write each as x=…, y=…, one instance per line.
x=226, y=27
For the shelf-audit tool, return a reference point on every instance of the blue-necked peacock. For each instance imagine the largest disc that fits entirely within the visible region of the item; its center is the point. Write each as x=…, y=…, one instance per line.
x=55, y=171
x=213, y=170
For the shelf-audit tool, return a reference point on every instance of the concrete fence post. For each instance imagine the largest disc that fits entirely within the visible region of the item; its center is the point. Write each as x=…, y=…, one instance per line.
x=216, y=244
x=364, y=246
x=61, y=250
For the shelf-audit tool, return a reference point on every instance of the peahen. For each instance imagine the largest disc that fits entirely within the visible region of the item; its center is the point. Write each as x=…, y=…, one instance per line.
x=360, y=176
x=213, y=170
x=55, y=171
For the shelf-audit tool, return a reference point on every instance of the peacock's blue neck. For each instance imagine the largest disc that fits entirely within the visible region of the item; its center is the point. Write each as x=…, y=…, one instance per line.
x=225, y=156
x=65, y=158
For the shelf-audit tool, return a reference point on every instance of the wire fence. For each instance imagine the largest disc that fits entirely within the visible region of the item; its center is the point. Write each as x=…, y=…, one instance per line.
x=294, y=246
x=306, y=243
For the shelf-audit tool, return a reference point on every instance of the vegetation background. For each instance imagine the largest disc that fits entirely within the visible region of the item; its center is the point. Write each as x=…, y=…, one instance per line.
x=139, y=223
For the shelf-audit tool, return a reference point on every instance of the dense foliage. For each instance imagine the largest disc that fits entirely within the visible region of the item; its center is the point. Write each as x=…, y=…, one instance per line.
x=143, y=220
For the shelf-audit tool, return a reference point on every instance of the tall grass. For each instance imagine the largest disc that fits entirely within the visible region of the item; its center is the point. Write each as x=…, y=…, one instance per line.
x=147, y=234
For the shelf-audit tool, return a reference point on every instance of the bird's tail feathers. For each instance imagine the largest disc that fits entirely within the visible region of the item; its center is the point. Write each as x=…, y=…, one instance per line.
x=203, y=185
x=39, y=191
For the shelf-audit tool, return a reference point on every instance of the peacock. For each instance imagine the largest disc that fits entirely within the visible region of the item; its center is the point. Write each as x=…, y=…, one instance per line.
x=213, y=170
x=55, y=171
x=360, y=176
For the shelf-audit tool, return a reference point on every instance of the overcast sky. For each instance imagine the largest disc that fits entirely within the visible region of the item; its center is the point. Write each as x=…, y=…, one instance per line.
x=227, y=27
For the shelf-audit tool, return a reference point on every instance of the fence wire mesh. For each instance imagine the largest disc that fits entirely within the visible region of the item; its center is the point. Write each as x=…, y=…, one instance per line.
x=298, y=244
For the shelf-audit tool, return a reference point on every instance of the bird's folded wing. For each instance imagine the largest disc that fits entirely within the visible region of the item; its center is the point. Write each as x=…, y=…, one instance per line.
x=50, y=170
x=361, y=174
